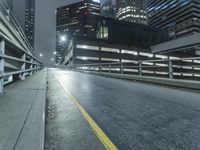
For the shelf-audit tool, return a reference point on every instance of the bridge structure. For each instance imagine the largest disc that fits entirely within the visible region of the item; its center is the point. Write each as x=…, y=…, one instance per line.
x=137, y=104
x=179, y=44
x=16, y=55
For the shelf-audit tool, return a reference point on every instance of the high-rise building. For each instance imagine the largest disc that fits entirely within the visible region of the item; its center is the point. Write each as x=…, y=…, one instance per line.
x=132, y=11
x=75, y=19
x=180, y=17
x=24, y=11
x=30, y=20
x=108, y=9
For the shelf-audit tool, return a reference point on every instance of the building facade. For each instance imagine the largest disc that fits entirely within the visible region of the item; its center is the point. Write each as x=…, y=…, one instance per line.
x=30, y=20
x=24, y=11
x=75, y=19
x=132, y=11
x=116, y=41
x=179, y=17
x=108, y=9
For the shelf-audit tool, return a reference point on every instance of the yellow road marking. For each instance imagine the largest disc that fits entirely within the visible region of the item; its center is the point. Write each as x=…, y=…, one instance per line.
x=97, y=130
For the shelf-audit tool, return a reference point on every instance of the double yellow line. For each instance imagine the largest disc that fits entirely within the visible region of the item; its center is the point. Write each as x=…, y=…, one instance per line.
x=97, y=130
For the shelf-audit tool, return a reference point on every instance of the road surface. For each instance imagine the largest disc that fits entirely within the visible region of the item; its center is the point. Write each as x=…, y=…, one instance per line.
x=135, y=115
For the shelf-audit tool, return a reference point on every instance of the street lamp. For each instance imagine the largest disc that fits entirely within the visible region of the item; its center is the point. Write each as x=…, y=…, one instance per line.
x=63, y=38
x=54, y=52
x=41, y=55
x=52, y=59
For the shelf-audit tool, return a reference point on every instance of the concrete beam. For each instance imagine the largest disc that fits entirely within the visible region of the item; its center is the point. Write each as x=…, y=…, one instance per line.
x=177, y=44
x=163, y=81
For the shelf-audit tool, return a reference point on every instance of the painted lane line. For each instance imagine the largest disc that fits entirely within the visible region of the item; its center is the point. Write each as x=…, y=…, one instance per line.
x=97, y=130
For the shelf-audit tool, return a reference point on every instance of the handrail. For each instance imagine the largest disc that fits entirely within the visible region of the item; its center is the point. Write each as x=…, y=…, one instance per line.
x=14, y=22
x=173, y=67
x=16, y=58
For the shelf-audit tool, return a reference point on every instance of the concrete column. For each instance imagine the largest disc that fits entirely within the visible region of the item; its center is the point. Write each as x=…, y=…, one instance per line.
x=23, y=67
x=2, y=52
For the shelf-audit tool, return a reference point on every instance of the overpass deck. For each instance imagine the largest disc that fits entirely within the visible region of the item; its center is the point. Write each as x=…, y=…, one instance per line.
x=137, y=115
x=86, y=112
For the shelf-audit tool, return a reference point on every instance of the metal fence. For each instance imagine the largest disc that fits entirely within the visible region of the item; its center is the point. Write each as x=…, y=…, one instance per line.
x=179, y=68
x=16, y=58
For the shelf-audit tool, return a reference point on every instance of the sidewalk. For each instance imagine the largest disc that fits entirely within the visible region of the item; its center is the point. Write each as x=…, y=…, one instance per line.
x=22, y=114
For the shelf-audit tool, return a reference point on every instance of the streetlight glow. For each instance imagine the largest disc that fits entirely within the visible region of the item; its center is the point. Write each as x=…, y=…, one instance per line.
x=63, y=38
x=41, y=55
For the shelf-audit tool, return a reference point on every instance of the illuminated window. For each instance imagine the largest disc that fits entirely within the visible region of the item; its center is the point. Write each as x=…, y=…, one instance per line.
x=103, y=32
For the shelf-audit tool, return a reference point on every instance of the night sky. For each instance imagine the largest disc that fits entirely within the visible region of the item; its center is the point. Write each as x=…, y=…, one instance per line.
x=45, y=27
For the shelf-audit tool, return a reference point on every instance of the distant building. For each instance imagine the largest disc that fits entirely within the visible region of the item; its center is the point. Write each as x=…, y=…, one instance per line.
x=116, y=41
x=30, y=20
x=132, y=11
x=179, y=17
x=108, y=9
x=24, y=11
x=75, y=19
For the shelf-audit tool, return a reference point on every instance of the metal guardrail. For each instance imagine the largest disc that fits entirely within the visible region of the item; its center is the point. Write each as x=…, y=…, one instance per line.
x=5, y=11
x=16, y=58
x=180, y=68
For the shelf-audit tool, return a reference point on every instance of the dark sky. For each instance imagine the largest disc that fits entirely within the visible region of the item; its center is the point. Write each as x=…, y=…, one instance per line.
x=45, y=27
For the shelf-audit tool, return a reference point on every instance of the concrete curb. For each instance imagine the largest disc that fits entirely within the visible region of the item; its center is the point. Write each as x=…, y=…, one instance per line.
x=44, y=114
x=163, y=81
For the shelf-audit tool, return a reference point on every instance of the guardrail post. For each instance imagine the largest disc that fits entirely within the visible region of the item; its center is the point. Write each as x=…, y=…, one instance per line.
x=140, y=68
x=170, y=69
x=121, y=68
x=31, y=67
x=2, y=52
x=109, y=68
x=23, y=67
x=193, y=75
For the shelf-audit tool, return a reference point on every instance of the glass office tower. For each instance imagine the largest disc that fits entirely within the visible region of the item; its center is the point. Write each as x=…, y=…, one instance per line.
x=132, y=11
x=75, y=19
x=180, y=17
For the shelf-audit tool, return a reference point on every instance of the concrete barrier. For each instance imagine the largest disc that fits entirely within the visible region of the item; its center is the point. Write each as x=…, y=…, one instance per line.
x=163, y=81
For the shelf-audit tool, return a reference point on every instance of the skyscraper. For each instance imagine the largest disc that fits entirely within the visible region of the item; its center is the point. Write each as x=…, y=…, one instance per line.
x=24, y=11
x=75, y=19
x=108, y=9
x=180, y=17
x=132, y=11
x=30, y=20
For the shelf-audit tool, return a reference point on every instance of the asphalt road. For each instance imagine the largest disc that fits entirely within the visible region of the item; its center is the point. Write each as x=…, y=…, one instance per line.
x=138, y=116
